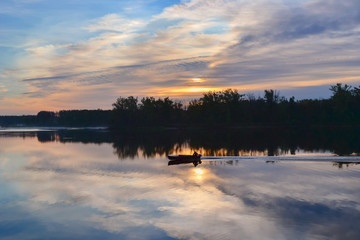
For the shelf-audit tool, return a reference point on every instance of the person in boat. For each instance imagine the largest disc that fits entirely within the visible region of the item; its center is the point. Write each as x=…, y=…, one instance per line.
x=195, y=154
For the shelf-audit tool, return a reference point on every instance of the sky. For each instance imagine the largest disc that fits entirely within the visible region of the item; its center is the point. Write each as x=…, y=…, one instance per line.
x=83, y=54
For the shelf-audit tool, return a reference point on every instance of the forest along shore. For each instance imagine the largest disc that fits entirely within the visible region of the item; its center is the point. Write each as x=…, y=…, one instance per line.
x=227, y=109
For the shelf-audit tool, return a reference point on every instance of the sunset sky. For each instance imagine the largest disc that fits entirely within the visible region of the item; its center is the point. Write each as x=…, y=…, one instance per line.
x=83, y=54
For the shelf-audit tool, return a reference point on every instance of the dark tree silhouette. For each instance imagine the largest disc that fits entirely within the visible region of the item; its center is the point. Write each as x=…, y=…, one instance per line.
x=226, y=108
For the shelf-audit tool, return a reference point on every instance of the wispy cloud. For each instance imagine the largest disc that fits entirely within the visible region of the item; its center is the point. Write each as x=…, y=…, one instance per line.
x=44, y=78
x=114, y=22
x=249, y=45
x=3, y=88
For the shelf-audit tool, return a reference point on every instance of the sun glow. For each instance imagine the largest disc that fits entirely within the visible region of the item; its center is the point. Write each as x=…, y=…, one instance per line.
x=194, y=90
x=198, y=174
x=199, y=171
x=197, y=80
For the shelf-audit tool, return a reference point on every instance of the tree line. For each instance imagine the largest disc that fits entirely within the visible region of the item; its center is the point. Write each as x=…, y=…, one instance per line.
x=227, y=108
x=78, y=118
x=230, y=108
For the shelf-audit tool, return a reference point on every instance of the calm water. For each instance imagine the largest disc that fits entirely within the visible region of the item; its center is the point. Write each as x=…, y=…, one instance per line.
x=93, y=185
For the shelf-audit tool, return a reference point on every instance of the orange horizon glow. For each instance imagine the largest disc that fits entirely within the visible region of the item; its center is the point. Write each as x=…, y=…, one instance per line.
x=197, y=80
x=67, y=100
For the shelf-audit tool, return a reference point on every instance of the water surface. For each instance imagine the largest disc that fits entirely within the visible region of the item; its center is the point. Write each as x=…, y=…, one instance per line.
x=91, y=185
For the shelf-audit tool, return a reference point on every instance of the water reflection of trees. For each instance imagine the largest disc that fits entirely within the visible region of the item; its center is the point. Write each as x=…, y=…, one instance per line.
x=125, y=144
x=239, y=142
x=18, y=134
x=277, y=141
x=341, y=165
x=149, y=144
x=74, y=136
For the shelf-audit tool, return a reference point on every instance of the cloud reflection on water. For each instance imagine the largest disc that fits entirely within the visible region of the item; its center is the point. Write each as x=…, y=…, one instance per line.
x=83, y=189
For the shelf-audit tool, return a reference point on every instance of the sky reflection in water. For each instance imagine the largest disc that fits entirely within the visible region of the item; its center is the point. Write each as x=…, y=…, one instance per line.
x=73, y=190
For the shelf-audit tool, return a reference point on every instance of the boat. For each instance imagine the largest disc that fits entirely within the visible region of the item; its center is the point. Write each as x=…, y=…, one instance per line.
x=181, y=159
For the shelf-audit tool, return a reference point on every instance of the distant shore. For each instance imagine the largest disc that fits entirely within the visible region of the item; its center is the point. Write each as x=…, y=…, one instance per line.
x=225, y=109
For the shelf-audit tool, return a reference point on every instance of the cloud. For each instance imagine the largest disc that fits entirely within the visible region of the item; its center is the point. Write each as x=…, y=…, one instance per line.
x=44, y=78
x=295, y=43
x=114, y=22
x=3, y=88
x=248, y=45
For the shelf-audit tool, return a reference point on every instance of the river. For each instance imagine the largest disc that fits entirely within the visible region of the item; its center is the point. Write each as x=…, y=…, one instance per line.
x=90, y=184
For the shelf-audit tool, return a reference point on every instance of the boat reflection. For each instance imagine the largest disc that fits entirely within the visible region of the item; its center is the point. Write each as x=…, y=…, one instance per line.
x=185, y=161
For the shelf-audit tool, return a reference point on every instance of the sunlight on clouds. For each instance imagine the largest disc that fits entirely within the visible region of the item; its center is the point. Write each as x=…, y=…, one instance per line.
x=47, y=50
x=197, y=80
x=244, y=45
x=203, y=9
x=3, y=88
x=324, y=81
x=194, y=90
x=115, y=22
